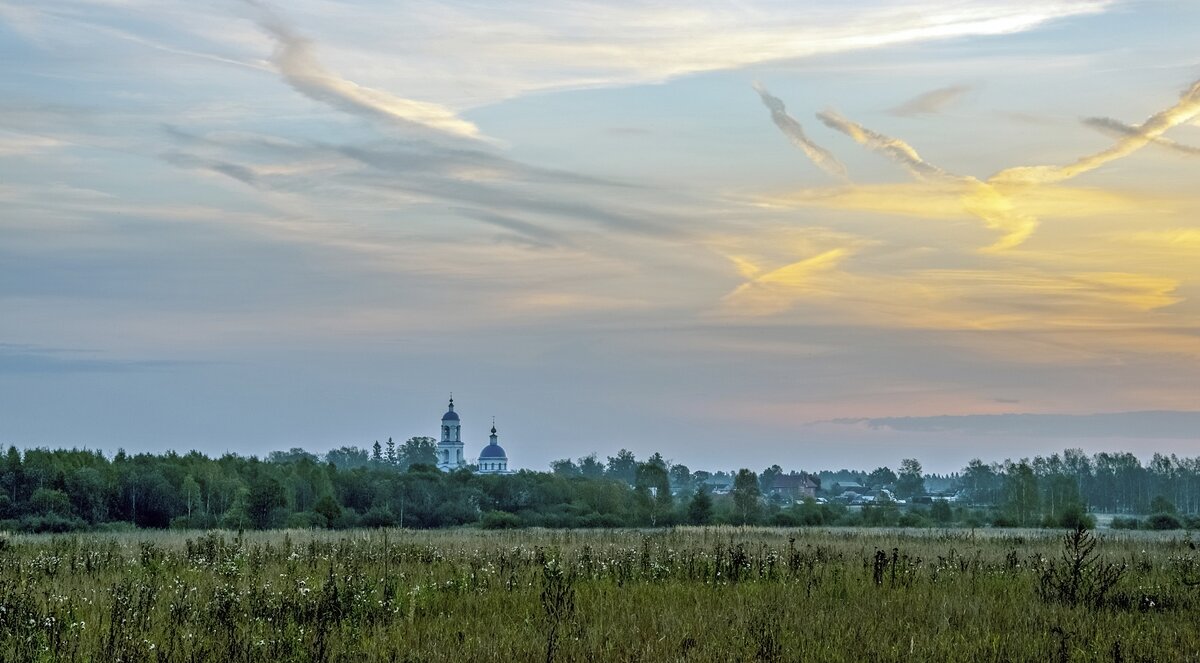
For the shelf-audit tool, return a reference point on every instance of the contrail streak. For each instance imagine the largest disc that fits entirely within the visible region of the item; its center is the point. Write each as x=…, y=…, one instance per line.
x=1118, y=129
x=1148, y=132
x=820, y=156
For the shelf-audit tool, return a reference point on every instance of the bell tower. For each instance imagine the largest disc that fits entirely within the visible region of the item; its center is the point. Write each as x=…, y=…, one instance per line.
x=450, y=447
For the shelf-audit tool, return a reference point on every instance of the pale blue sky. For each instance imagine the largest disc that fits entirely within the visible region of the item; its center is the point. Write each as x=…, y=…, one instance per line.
x=245, y=227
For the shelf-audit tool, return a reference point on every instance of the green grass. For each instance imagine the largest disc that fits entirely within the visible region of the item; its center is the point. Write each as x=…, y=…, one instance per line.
x=688, y=594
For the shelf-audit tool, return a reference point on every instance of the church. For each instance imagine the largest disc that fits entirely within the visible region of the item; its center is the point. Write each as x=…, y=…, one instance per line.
x=492, y=459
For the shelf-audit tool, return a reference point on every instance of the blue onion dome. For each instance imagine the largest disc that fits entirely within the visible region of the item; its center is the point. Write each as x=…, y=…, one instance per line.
x=493, y=452
x=450, y=415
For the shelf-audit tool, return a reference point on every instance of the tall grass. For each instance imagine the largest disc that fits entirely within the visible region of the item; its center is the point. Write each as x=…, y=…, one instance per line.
x=694, y=594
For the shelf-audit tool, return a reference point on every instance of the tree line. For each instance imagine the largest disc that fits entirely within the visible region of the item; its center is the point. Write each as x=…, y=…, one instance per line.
x=398, y=485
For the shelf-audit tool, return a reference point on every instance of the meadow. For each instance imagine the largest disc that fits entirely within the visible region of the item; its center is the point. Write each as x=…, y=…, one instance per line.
x=682, y=594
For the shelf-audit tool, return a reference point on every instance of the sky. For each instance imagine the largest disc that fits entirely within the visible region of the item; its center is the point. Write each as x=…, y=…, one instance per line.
x=815, y=234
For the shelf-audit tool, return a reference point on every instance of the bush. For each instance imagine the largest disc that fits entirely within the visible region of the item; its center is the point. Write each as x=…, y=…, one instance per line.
x=1081, y=576
x=1003, y=520
x=1119, y=522
x=305, y=520
x=1074, y=517
x=941, y=512
x=1161, y=504
x=974, y=518
x=785, y=519
x=52, y=524
x=884, y=515
x=378, y=517
x=1163, y=521
x=913, y=519
x=499, y=520
x=50, y=502
x=811, y=514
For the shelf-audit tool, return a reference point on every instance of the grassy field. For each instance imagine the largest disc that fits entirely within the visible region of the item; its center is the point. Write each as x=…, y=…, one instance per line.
x=688, y=594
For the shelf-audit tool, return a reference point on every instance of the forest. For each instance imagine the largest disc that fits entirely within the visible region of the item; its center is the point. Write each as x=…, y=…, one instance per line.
x=396, y=485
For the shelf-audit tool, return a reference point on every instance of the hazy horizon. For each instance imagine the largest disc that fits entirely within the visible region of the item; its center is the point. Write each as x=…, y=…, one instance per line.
x=797, y=233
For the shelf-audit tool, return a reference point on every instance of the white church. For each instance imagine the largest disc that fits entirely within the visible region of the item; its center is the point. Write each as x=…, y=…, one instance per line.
x=492, y=460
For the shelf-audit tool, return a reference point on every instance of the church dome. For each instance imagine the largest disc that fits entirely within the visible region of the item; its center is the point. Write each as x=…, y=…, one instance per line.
x=450, y=415
x=493, y=452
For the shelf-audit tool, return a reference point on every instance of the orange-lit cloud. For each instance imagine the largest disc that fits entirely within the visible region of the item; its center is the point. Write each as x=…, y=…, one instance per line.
x=1145, y=134
x=777, y=290
x=1008, y=201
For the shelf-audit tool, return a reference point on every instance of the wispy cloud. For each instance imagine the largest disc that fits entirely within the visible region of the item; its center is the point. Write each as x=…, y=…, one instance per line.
x=999, y=201
x=820, y=156
x=1186, y=109
x=975, y=197
x=931, y=102
x=1145, y=424
x=1118, y=129
x=14, y=144
x=777, y=290
x=893, y=148
x=19, y=358
x=300, y=68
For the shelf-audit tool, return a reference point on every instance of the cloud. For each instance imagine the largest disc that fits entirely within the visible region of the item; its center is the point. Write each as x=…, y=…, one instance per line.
x=777, y=290
x=1185, y=110
x=583, y=44
x=390, y=174
x=20, y=358
x=1118, y=129
x=1153, y=424
x=16, y=144
x=1000, y=200
x=930, y=102
x=531, y=232
x=820, y=156
x=1180, y=238
x=893, y=148
x=300, y=68
x=974, y=197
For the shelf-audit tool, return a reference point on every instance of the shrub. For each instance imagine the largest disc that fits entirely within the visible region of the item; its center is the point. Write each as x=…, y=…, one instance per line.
x=499, y=520
x=975, y=518
x=811, y=514
x=1119, y=522
x=941, y=512
x=1163, y=521
x=1003, y=520
x=785, y=519
x=913, y=519
x=305, y=520
x=1081, y=576
x=378, y=517
x=52, y=524
x=50, y=502
x=1074, y=517
x=1161, y=504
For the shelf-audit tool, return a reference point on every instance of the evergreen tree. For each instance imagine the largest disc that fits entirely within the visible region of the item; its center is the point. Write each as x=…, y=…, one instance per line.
x=700, y=509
